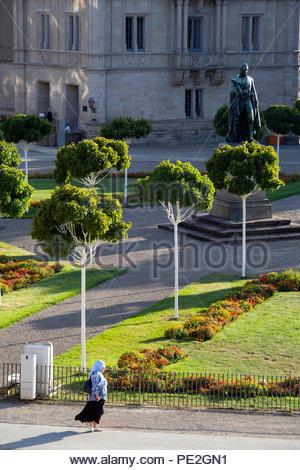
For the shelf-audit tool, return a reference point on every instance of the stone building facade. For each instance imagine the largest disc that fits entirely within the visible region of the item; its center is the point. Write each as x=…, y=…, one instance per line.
x=170, y=61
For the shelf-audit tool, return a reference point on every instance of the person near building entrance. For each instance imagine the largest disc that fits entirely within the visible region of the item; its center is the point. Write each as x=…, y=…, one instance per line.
x=93, y=410
x=49, y=115
x=67, y=128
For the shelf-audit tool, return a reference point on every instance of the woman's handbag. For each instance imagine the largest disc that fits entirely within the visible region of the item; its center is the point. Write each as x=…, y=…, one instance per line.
x=87, y=386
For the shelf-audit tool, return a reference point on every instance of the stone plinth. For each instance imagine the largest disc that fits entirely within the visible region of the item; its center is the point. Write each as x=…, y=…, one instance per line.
x=229, y=206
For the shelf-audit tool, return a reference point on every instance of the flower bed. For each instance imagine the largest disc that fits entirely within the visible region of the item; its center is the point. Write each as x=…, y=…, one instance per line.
x=292, y=178
x=35, y=204
x=150, y=359
x=236, y=302
x=200, y=384
x=17, y=274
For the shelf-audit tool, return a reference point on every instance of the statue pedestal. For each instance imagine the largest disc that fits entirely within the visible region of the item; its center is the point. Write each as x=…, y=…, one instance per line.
x=224, y=223
x=229, y=206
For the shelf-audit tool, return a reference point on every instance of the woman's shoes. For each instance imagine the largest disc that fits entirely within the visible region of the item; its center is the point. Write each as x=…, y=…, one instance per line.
x=91, y=428
x=98, y=429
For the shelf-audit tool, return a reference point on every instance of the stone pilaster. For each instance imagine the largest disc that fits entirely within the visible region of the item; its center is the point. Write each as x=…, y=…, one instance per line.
x=185, y=25
x=172, y=26
x=224, y=25
x=179, y=4
x=218, y=25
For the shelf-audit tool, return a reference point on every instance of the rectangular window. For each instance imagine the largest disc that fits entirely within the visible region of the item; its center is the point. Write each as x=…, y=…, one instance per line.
x=245, y=33
x=250, y=33
x=129, y=33
x=199, y=103
x=188, y=103
x=135, y=33
x=140, y=33
x=255, y=33
x=44, y=31
x=195, y=34
x=74, y=33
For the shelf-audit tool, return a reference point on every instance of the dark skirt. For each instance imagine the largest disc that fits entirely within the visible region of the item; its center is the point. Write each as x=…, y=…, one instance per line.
x=92, y=411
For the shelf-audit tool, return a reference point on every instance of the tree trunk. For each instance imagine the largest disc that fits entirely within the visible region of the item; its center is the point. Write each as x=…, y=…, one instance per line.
x=176, y=269
x=26, y=163
x=278, y=144
x=91, y=256
x=83, y=362
x=244, y=198
x=125, y=187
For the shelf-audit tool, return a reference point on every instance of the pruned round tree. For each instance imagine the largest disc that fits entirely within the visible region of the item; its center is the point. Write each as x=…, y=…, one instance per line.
x=25, y=131
x=122, y=128
x=296, y=105
x=88, y=159
x=15, y=192
x=282, y=119
x=126, y=129
x=76, y=219
x=86, y=162
x=102, y=217
x=181, y=189
x=241, y=170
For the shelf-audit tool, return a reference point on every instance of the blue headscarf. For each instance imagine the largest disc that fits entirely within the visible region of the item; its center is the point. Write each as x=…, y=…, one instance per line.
x=97, y=367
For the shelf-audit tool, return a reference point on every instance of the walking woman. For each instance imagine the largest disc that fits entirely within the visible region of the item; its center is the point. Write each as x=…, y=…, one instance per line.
x=93, y=409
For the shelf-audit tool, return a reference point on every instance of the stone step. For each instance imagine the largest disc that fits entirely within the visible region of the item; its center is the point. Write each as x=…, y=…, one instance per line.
x=230, y=224
x=237, y=231
x=213, y=238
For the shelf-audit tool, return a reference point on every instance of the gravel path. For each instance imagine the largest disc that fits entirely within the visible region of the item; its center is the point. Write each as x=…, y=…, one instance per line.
x=147, y=254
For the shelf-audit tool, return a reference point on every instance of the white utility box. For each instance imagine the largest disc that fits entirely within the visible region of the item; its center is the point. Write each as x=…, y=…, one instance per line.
x=28, y=377
x=44, y=366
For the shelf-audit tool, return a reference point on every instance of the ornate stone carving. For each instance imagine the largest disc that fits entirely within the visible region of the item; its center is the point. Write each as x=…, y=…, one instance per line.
x=180, y=77
x=199, y=77
x=216, y=76
x=137, y=60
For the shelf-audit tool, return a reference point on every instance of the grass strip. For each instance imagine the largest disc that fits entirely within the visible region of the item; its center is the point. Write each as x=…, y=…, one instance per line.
x=290, y=189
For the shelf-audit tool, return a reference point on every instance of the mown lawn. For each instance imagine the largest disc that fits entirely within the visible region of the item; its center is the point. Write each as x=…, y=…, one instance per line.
x=44, y=187
x=264, y=341
x=288, y=190
x=22, y=303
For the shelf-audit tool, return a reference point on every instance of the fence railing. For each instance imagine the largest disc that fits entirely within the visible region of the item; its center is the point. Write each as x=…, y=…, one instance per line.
x=160, y=388
x=48, y=166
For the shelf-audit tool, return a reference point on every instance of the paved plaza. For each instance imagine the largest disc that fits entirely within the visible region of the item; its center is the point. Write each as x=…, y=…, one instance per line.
x=154, y=152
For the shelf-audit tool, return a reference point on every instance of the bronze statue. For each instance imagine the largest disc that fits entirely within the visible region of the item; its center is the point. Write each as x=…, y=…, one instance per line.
x=244, y=117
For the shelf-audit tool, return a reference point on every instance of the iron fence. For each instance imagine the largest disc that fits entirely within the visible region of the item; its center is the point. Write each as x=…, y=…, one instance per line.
x=48, y=166
x=166, y=389
x=11, y=375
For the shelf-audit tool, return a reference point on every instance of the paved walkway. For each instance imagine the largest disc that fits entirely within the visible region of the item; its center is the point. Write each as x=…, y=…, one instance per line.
x=148, y=255
x=51, y=426
x=197, y=152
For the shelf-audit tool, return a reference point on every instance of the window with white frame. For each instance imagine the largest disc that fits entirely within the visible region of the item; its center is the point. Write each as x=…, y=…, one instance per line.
x=44, y=31
x=135, y=33
x=251, y=33
x=194, y=103
x=73, y=32
x=195, y=33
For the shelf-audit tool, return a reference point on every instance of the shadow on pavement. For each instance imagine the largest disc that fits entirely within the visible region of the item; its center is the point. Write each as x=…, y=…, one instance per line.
x=38, y=440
